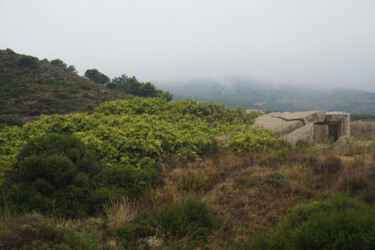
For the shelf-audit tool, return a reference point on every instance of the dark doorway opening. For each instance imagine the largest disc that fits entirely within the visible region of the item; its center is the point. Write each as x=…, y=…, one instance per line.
x=333, y=132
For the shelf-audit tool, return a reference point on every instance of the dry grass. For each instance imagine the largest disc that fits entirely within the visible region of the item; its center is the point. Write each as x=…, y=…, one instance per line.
x=362, y=130
x=121, y=211
x=238, y=186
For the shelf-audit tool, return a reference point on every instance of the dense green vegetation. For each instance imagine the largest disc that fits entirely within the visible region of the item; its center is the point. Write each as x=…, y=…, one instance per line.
x=337, y=223
x=142, y=131
x=34, y=231
x=132, y=86
x=56, y=175
x=95, y=76
x=362, y=117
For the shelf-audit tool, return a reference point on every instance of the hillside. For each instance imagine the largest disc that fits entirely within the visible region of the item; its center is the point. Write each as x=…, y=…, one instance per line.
x=30, y=87
x=146, y=173
x=254, y=95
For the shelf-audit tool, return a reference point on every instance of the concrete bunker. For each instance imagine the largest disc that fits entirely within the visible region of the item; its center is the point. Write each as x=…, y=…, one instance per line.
x=318, y=127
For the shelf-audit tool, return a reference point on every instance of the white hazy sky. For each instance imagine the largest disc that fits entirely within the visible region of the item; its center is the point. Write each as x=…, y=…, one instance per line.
x=306, y=42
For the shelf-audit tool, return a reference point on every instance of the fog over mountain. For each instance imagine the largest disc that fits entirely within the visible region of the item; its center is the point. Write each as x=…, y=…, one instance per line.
x=321, y=43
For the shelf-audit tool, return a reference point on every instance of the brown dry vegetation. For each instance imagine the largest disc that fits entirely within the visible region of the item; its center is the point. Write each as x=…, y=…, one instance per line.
x=362, y=129
x=249, y=192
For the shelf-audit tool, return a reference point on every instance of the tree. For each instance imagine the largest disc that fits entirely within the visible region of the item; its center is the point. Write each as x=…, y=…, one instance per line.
x=59, y=63
x=95, y=76
x=132, y=86
x=72, y=69
x=28, y=61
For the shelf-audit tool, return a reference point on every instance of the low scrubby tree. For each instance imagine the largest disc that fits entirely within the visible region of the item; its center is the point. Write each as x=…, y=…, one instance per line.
x=95, y=76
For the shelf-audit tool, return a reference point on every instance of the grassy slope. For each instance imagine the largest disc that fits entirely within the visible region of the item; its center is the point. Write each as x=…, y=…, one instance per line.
x=47, y=88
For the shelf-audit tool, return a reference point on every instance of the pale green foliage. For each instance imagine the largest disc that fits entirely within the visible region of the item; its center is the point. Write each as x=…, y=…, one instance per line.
x=124, y=132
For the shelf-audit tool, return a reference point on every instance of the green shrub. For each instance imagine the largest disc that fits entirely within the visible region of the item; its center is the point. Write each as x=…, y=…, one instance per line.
x=277, y=157
x=337, y=223
x=10, y=51
x=11, y=121
x=276, y=179
x=144, y=225
x=53, y=175
x=28, y=61
x=303, y=145
x=35, y=112
x=115, y=182
x=354, y=186
x=34, y=231
x=194, y=218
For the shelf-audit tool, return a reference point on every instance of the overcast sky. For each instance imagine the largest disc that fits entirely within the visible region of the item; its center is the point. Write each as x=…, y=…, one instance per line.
x=305, y=42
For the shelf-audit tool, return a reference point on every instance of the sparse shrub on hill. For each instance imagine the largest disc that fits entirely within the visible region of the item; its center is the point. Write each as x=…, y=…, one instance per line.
x=28, y=61
x=330, y=165
x=95, y=76
x=192, y=218
x=33, y=231
x=337, y=223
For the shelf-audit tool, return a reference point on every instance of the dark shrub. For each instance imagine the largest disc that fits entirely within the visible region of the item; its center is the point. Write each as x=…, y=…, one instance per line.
x=59, y=63
x=34, y=231
x=10, y=51
x=53, y=174
x=11, y=121
x=331, y=165
x=28, y=61
x=35, y=112
x=354, y=186
x=276, y=179
x=338, y=223
x=144, y=225
x=115, y=182
x=193, y=217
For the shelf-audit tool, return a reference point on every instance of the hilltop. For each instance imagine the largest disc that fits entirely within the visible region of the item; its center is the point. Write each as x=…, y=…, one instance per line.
x=30, y=87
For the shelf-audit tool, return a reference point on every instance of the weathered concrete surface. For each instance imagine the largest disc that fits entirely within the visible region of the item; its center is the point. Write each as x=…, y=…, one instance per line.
x=321, y=133
x=306, y=117
x=277, y=124
x=314, y=126
x=303, y=133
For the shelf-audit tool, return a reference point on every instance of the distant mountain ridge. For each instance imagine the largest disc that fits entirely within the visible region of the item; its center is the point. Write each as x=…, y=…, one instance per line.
x=284, y=98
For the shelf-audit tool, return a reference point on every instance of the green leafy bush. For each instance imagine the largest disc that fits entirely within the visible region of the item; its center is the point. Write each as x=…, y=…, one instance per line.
x=33, y=231
x=337, y=223
x=125, y=132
